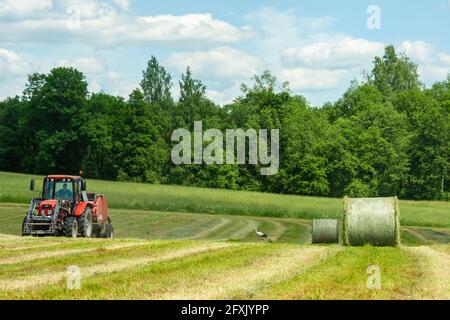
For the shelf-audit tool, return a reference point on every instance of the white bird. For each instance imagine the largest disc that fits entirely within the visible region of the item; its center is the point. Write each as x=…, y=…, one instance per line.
x=260, y=234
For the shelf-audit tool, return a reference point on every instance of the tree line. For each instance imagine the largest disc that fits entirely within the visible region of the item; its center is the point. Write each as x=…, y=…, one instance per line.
x=387, y=135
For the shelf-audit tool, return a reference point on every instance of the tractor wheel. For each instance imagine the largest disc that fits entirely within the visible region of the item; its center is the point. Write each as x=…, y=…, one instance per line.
x=25, y=231
x=71, y=227
x=59, y=233
x=109, y=230
x=97, y=232
x=85, y=227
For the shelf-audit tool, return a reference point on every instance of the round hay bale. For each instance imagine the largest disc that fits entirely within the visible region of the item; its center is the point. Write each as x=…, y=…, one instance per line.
x=372, y=221
x=325, y=231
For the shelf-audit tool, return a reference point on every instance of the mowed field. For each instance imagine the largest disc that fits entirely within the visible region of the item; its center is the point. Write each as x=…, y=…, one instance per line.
x=206, y=248
x=36, y=268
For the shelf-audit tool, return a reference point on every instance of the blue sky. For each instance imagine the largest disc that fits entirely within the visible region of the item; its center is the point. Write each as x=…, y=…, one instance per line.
x=318, y=46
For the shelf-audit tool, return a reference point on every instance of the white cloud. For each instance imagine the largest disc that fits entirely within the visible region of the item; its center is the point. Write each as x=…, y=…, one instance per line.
x=223, y=63
x=100, y=24
x=86, y=65
x=444, y=58
x=12, y=64
x=226, y=95
x=222, y=69
x=304, y=50
x=118, y=86
x=111, y=82
x=123, y=4
x=304, y=79
x=307, y=52
x=418, y=51
x=344, y=53
x=432, y=73
x=217, y=96
x=108, y=81
x=24, y=8
x=272, y=22
x=277, y=29
x=113, y=75
x=99, y=76
x=13, y=69
x=94, y=86
x=432, y=65
x=185, y=27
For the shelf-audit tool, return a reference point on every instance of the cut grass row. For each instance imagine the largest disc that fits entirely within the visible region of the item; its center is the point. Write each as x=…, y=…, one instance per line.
x=22, y=275
x=228, y=270
x=344, y=276
x=138, y=196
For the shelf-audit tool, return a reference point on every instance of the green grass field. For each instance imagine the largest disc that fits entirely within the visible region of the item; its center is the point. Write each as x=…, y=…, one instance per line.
x=190, y=243
x=15, y=188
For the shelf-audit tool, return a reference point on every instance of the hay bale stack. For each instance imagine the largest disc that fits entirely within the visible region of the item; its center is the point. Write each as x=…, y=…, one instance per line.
x=325, y=231
x=371, y=221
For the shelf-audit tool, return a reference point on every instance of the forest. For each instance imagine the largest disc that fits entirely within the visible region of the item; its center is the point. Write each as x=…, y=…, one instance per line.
x=387, y=135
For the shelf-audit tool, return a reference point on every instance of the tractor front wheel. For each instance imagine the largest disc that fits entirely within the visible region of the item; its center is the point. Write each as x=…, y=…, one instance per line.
x=71, y=227
x=25, y=231
x=85, y=227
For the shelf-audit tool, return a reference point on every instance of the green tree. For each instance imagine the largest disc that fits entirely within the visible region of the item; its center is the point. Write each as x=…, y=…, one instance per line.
x=192, y=94
x=357, y=98
x=103, y=132
x=377, y=140
x=394, y=72
x=55, y=110
x=11, y=149
x=144, y=152
x=156, y=83
x=304, y=133
x=430, y=146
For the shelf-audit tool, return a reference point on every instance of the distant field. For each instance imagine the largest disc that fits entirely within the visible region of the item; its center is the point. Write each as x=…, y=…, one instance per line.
x=121, y=195
x=193, y=269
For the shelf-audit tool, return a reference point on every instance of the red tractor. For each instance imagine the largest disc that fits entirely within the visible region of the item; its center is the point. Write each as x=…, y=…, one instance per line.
x=66, y=209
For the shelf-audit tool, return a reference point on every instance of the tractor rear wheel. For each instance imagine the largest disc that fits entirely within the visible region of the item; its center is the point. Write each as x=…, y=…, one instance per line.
x=71, y=227
x=85, y=226
x=97, y=232
x=109, y=230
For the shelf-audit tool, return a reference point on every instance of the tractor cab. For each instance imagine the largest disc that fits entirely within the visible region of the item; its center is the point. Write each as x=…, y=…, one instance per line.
x=65, y=191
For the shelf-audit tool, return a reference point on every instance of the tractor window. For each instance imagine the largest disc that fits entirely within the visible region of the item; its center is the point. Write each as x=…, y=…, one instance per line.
x=48, y=189
x=63, y=190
